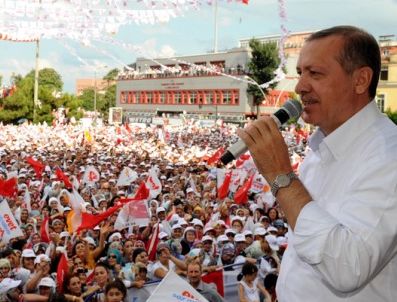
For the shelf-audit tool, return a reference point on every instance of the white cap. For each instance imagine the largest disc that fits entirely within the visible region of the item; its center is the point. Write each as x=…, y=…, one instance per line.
x=182, y=222
x=7, y=283
x=41, y=257
x=163, y=235
x=114, y=236
x=228, y=231
x=207, y=238
x=160, y=209
x=198, y=222
x=247, y=233
x=222, y=238
x=208, y=228
x=90, y=240
x=176, y=226
x=28, y=253
x=271, y=229
x=239, y=238
x=64, y=234
x=272, y=240
x=189, y=190
x=46, y=281
x=260, y=231
x=189, y=228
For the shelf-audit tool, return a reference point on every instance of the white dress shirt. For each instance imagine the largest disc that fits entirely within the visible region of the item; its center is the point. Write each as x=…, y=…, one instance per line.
x=344, y=244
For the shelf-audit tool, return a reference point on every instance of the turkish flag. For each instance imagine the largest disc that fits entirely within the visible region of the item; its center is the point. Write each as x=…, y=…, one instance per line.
x=62, y=270
x=223, y=190
x=151, y=245
x=142, y=192
x=89, y=221
x=216, y=278
x=62, y=177
x=37, y=166
x=216, y=156
x=44, y=234
x=241, y=195
x=8, y=188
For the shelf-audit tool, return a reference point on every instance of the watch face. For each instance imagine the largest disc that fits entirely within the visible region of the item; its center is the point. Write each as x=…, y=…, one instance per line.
x=283, y=180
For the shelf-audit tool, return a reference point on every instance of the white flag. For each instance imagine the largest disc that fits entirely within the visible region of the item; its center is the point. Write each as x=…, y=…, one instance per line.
x=127, y=176
x=91, y=175
x=153, y=183
x=8, y=225
x=238, y=177
x=174, y=288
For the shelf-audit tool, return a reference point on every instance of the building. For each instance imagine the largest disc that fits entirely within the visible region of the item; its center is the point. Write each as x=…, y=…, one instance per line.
x=82, y=84
x=386, y=97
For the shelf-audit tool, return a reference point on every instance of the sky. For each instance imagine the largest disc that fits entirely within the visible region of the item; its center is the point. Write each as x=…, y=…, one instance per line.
x=193, y=33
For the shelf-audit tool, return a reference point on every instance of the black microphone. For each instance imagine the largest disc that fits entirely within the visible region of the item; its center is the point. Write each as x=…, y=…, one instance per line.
x=291, y=109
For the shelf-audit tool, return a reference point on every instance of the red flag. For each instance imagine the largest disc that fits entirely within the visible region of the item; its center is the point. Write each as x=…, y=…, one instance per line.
x=89, y=221
x=127, y=127
x=216, y=156
x=241, y=195
x=216, y=278
x=245, y=1
x=240, y=161
x=62, y=177
x=142, y=192
x=62, y=270
x=8, y=188
x=44, y=230
x=37, y=166
x=151, y=245
x=224, y=188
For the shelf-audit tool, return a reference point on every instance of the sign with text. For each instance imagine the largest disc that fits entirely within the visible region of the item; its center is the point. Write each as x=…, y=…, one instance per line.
x=8, y=225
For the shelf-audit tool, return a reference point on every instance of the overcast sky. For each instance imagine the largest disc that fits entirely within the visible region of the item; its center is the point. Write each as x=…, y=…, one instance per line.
x=193, y=33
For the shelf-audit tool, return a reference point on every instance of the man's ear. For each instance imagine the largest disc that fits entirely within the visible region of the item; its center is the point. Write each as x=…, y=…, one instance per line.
x=363, y=77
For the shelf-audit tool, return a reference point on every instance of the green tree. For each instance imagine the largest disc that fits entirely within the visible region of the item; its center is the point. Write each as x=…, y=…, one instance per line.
x=262, y=65
x=111, y=75
x=392, y=115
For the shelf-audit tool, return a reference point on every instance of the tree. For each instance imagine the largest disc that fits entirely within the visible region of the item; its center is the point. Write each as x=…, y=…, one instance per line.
x=111, y=75
x=262, y=65
x=392, y=115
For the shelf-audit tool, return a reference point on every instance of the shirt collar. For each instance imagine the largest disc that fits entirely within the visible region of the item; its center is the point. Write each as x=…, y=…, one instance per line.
x=345, y=135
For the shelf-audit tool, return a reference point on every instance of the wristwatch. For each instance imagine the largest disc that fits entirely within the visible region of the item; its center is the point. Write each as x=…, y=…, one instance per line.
x=282, y=181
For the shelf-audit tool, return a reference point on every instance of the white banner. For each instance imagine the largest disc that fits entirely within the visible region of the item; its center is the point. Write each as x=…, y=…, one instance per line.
x=153, y=183
x=175, y=289
x=91, y=175
x=238, y=177
x=127, y=176
x=8, y=225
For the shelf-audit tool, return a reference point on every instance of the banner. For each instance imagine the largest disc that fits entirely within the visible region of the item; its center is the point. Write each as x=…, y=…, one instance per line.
x=91, y=175
x=153, y=183
x=127, y=176
x=8, y=225
x=175, y=289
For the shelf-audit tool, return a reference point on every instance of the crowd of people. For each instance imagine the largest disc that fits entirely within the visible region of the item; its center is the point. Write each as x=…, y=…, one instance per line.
x=198, y=232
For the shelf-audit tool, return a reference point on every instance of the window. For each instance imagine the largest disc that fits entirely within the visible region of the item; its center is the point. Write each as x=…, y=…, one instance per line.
x=209, y=97
x=178, y=98
x=123, y=97
x=138, y=97
x=149, y=97
x=162, y=97
x=227, y=97
x=193, y=97
x=380, y=102
x=384, y=73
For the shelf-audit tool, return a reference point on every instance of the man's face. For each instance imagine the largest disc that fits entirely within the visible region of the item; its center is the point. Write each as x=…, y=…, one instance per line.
x=194, y=273
x=327, y=92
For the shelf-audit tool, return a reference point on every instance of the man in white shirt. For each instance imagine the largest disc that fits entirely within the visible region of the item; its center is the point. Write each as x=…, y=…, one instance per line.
x=342, y=210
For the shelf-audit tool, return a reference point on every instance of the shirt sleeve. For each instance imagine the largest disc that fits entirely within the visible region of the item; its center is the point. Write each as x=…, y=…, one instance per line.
x=348, y=250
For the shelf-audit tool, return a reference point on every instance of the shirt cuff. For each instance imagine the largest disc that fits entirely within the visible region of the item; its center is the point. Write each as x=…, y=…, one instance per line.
x=311, y=232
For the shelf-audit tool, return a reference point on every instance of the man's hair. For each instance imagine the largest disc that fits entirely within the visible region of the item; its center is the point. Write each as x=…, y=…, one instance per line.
x=194, y=262
x=360, y=49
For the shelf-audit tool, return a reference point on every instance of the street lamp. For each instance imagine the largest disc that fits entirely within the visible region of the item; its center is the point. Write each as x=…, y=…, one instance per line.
x=95, y=90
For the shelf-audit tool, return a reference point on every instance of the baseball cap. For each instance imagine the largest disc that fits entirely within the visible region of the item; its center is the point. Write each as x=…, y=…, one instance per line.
x=46, y=281
x=163, y=235
x=7, y=283
x=28, y=253
x=41, y=257
x=90, y=240
x=160, y=209
x=271, y=229
x=207, y=238
x=239, y=238
x=272, y=240
x=260, y=231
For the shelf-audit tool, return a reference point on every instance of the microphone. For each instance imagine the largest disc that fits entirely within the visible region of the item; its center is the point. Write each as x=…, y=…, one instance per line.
x=291, y=109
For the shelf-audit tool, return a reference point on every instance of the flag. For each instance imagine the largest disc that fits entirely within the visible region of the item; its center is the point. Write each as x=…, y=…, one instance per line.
x=62, y=270
x=127, y=127
x=216, y=278
x=223, y=190
x=142, y=192
x=62, y=177
x=241, y=195
x=151, y=245
x=174, y=289
x=73, y=221
x=91, y=175
x=9, y=227
x=37, y=166
x=135, y=211
x=27, y=199
x=240, y=161
x=89, y=221
x=8, y=188
x=44, y=233
x=245, y=1
x=126, y=177
x=153, y=183
x=87, y=136
x=238, y=177
x=216, y=156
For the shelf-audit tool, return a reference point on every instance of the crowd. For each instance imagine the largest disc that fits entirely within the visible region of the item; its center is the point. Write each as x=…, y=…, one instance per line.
x=190, y=227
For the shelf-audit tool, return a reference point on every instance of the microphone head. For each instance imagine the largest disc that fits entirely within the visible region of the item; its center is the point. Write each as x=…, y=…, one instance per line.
x=294, y=108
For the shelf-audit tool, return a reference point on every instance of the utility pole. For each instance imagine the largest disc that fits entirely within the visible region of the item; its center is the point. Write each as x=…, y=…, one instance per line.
x=216, y=26
x=36, y=81
x=95, y=97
